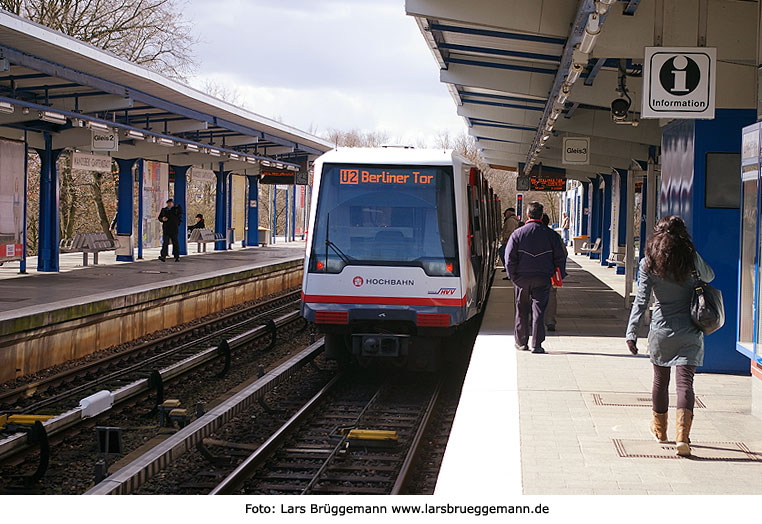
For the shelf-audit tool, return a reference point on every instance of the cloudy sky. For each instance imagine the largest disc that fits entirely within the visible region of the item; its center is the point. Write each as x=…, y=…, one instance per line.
x=323, y=64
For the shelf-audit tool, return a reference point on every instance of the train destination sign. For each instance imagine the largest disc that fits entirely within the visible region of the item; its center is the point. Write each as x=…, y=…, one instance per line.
x=547, y=184
x=383, y=176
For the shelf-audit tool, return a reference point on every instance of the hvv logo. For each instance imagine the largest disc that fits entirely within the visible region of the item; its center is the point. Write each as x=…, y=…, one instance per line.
x=443, y=291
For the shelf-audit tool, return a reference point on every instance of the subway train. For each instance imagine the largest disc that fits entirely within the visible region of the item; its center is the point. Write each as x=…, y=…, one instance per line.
x=400, y=254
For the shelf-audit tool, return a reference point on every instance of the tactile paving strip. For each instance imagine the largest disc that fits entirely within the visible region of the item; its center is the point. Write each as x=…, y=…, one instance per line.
x=634, y=400
x=714, y=451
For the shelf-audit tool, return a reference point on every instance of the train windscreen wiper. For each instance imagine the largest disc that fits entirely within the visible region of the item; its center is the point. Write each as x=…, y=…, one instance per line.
x=343, y=256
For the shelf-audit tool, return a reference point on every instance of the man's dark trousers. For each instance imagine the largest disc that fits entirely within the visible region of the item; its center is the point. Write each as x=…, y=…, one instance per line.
x=532, y=294
x=167, y=238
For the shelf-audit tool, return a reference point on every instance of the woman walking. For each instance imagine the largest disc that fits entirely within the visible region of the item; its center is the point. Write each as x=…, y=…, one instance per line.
x=673, y=340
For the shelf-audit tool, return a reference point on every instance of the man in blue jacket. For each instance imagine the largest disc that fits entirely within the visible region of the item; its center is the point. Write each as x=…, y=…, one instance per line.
x=534, y=252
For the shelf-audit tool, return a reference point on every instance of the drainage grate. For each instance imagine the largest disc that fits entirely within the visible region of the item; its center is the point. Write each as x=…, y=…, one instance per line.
x=712, y=451
x=633, y=400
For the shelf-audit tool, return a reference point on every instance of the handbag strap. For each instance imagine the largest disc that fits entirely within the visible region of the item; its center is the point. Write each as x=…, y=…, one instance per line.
x=698, y=284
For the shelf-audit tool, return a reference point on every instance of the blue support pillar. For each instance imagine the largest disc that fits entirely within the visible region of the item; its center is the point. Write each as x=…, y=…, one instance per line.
x=49, y=233
x=606, y=219
x=622, y=220
x=595, y=212
x=585, y=206
x=252, y=212
x=125, y=204
x=220, y=211
x=141, y=167
x=229, y=241
x=180, y=198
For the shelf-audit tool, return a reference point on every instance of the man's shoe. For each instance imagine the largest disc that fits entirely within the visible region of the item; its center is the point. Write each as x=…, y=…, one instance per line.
x=538, y=350
x=502, y=270
x=506, y=278
x=522, y=347
x=177, y=260
x=163, y=259
x=551, y=327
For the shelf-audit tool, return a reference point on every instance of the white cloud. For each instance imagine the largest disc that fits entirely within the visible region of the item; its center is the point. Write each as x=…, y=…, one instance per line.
x=326, y=64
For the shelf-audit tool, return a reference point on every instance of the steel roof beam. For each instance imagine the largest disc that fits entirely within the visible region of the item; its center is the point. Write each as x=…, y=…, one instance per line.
x=512, y=83
x=549, y=18
x=515, y=116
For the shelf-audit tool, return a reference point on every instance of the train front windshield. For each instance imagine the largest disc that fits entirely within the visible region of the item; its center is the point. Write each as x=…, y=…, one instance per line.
x=375, y=215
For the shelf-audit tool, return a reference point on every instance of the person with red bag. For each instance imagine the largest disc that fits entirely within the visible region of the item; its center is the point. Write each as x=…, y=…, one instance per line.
x=556, y=281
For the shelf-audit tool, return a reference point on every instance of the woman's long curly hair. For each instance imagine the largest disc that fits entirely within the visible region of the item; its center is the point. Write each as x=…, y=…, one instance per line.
x=670, y=251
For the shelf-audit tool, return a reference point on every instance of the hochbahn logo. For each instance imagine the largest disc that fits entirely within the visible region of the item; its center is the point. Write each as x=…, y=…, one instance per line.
x=358, y=281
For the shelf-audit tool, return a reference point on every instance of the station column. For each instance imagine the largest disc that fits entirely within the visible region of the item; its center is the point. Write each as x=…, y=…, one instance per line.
x=48, y=238
x=125, y=207
x=252, y=212
x=220, y=208
x=181, y=188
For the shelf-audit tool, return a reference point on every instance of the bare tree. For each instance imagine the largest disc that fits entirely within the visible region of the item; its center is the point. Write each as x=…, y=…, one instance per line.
x=357, y=138
x=152, y=33
x=223, y=91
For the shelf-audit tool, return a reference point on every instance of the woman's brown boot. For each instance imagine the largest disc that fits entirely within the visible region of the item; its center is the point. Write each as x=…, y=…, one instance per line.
x=659, y=426
x=684, y=420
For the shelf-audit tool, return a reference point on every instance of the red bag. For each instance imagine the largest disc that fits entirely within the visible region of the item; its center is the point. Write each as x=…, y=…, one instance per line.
x=555, y=280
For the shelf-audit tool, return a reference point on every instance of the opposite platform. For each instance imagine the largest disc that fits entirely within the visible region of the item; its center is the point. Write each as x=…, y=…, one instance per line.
x=47, y=319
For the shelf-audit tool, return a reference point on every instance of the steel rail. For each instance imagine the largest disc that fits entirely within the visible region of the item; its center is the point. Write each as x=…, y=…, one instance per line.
x=238, y=476
x=402, y=476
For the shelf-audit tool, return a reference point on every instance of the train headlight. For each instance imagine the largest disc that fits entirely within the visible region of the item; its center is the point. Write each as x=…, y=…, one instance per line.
x=441, y=268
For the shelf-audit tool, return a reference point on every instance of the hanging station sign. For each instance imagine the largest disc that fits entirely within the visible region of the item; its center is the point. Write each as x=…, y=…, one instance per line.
x=104, y=140
x=679, y=82
x=88, y=162
x=576, y=150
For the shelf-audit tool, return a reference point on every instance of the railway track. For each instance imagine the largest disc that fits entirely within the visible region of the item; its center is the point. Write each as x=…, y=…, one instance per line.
x=315, y=452
x=52, y=393
x=171, y=358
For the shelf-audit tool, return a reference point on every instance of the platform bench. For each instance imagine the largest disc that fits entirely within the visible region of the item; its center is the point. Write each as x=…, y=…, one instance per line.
x=202, y=237
x=595, y=250
x=87, y=243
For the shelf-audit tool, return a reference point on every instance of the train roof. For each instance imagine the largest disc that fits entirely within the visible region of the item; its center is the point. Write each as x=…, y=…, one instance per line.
x=391, y=156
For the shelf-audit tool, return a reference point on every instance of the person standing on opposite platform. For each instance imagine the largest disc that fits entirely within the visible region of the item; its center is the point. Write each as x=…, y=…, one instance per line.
x=550, y=312
x=170, y=217
x=531, y=258
x=673, y=340
x=565, y=228
x=510, y=223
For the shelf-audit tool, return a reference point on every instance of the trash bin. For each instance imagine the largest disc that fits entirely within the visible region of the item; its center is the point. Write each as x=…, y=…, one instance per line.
x=578, y=241
x=126, y=244
x=264, y=236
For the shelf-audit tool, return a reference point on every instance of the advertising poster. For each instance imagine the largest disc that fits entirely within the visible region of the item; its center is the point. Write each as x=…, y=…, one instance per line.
x=155, y=194
x=11, y=200
x=238, y=186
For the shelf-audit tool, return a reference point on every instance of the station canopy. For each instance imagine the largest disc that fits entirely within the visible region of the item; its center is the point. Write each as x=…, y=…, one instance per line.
x=50, y=82
x=524, y=74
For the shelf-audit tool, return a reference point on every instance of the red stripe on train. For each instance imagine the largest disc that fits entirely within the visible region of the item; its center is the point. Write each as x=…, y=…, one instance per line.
x=389, y=301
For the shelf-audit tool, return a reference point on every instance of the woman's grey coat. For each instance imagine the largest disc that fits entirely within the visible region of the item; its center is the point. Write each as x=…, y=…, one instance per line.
x=673, y=340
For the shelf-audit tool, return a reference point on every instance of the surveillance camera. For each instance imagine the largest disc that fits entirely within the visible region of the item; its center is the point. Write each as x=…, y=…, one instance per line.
x=619, y=109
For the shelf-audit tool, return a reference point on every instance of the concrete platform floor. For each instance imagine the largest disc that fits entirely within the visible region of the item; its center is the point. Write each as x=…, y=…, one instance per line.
x=33, y=292
x=566, y=418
